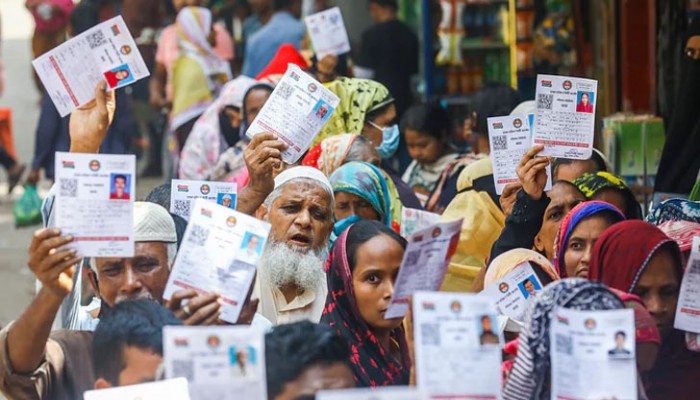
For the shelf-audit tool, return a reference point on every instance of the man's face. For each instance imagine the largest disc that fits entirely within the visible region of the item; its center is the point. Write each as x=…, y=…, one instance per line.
x=119, y=185
x=316, y=378
x=530, y=287
x=563, y=197
x=253, y=243
x=620, y=341
x=226, y=202
x=486, y=324
x=301, y=216
x=142, y=277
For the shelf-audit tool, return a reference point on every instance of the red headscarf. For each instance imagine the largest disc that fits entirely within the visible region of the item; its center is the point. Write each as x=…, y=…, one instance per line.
x=286, y=54
x=623, y=251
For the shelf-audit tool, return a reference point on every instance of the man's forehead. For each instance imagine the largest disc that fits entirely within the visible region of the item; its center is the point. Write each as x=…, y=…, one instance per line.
x=302, y=190
x=141, y=249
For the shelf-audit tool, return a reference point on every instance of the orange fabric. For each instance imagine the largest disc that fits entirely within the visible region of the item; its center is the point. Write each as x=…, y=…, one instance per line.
x=286, y=54
x=6, y=138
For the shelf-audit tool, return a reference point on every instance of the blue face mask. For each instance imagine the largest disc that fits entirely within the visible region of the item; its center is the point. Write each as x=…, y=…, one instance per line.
x=340, y=226
x=390, y=141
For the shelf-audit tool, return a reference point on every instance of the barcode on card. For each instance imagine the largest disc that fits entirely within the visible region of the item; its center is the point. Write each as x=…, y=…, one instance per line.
x=182, y=208
x=68, y=187
x=430, y=334
x=544, y=101
x=285, y=90
x=198, y=235
x=500, y=143
x=96, y=39
x=183, y=369
x=564, y=344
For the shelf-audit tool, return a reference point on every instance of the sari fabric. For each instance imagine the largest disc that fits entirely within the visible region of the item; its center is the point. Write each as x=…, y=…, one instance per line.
x=372, y=364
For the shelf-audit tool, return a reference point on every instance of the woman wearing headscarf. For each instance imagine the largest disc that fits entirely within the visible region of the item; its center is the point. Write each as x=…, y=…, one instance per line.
x=679, y=165
x=577, y=235
x=610, y=188
x=362, y=271
x=198, y=74
x=636, y=257
x=363, y=192
x=680, y=220
x=214, y=133
x=513, y=259
x=531, y=374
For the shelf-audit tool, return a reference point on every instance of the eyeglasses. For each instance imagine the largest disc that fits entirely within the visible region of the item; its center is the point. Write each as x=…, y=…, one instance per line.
x=692, y=52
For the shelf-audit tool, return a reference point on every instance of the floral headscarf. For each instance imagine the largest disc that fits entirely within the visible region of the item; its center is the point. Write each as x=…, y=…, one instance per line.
x=675, y=210
x=330, y=154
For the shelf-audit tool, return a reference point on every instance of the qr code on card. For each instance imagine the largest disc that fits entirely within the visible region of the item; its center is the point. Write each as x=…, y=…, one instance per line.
x=285, y=90
x=198, y=235
x=430, y=334
x=96, y=39
x=182, y=208
x=68, y=187
x=564, y=344
x=500, y=143
x=183, y=369
x=544, y=101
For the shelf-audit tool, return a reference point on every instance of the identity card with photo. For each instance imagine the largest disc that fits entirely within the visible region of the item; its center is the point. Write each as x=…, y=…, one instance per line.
x=413, y=220
x=171, y=389
x=183, y=193
x=328, y=33
x=688, y=309
x=512, y=293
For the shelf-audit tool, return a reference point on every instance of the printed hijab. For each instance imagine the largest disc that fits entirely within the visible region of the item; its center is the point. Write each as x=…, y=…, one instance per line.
x=591, y=184
x=531, y=374
x=330, y=154
x=675, y=210
x=372, y=364
x=357, y=98
x=568, y=224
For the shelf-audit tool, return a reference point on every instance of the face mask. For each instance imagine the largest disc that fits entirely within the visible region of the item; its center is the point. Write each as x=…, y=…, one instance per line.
x=390, y=141
x=340, y=226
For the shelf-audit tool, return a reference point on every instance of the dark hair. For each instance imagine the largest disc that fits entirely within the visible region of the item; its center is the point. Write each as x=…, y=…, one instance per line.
x=620, y=333
x=120, y=176
x=282, y=4
x=595, y=157
x=364, y=231
x=137, y=324
x=393, y=4
x=291, y=349
x=160, y=195
x=493, y=100
x=372, y=115
x=429, y=119
x=528, y=280
x=83, y=17
x=180, y=228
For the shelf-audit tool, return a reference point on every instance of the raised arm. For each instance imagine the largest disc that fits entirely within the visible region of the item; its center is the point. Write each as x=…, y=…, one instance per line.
x=263, y=157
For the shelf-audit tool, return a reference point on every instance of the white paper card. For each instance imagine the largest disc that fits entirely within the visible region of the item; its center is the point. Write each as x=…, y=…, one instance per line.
x=511, y=294
x=95, y=202
x=219, y=253
x=328, y=33
x=424, y=264
x=565, y=116
x=220, y=363
x=295, y=112
x=413, y=220
x=105, y=52
x=593, y=346
x=688, y=309
x=171, y=389
x=457, y=347
x=183, y=194
x=384, y=393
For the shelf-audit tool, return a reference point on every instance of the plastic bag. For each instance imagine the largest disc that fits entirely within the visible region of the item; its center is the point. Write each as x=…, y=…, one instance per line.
x=27, y=210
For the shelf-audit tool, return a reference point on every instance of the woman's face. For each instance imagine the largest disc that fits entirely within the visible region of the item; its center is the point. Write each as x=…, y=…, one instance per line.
x=234, y=116
x=377, y=265
x=574, y=170
x=347, y=204
x=612, y=196
x=585, y=99
x=423, y=148
x=383, y=120
x=563, y=198
x=659, y=287
x=577, y=255
x=254, y=102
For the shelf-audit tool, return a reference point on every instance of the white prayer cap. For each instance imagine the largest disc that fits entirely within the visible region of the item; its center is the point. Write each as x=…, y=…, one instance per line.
x=303, y=172
x=153, y=223
x=524, y=108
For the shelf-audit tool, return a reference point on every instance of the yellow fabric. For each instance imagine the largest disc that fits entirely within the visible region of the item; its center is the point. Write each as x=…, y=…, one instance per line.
x=508, y=261
x=190, y=85
x=483, y=222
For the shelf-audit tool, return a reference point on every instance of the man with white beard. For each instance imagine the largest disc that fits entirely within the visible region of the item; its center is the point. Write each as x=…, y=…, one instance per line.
x=291, y=282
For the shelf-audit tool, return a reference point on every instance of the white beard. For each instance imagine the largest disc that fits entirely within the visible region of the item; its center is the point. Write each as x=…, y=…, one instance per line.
x=281, y=265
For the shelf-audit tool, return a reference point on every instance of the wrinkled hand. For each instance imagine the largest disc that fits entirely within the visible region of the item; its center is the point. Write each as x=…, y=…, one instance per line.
x=532, y=172
x=53, y=264
x=263, y=157
x=508, y=197
x=89, y=123
x=200, y=309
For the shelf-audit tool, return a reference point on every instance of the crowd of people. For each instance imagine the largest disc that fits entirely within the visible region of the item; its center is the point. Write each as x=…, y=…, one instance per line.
x=328, y=270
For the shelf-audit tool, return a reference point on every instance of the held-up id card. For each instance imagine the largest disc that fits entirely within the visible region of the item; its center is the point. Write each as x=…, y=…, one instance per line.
x=509, y=137
x=219, y=253
x=512, y=293
x=457, y=345
x=295, y=112
x=327, y=32
x=593, y=347
x=171, y=389
x=105, y=52
x=413, y=220
x=220, y=363
x=183, y=194
x=95, y=202
x=384, y=393
x=424, y=264
x=565, y=116
x=688, y=309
